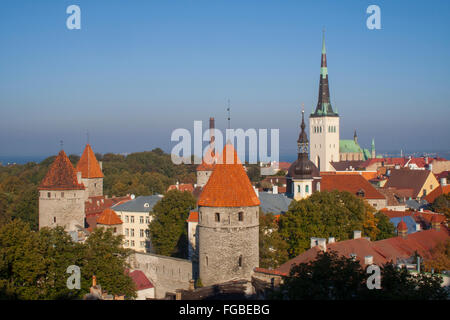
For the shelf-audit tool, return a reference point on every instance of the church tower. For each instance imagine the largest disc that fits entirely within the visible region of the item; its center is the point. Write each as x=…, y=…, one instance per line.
x=228, y=225
x=62, y=196
x=324, y=123
x=303, y=177
x=91, y=173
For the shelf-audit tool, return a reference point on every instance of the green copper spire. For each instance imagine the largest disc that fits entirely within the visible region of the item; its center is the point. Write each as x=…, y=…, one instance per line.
x=324, y=107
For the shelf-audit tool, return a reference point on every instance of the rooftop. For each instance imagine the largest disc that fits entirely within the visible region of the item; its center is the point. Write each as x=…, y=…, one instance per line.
x=88, y=164
x=139, y=204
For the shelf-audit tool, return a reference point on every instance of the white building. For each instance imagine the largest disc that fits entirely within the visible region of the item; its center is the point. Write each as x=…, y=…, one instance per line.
x=136, y=214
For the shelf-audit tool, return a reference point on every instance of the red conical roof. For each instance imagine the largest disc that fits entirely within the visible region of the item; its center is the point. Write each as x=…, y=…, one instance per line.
x=61, y=175
x=229, y=185
x=109, y=217
x=88, y=164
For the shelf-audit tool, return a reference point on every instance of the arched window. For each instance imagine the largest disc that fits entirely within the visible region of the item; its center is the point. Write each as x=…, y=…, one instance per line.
x=318, y=186
x=307, y=189
x=298, y=189
x=241, y=216
x=217, y=217
x=240, y=261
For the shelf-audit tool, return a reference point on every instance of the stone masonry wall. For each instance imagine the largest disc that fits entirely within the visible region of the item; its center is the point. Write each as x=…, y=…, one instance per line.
x=221, y=244
x=66, y=206
x=166, y=273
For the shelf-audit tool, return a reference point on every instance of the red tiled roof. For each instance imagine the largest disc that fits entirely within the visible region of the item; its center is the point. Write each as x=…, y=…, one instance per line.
x=182, y=187
x=94, y=207
x=437, y=192
x=61, y=175
x=270, y=271
x=140, y=280
x=351, y=183
x=88, y=164
x=408, y=179
x=109, y=217
x=396, y=214
x=229, y=185
x=382, y=251
x=193, y=216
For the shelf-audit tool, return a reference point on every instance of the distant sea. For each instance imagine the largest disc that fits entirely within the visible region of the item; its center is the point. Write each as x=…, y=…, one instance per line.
x=5, y=160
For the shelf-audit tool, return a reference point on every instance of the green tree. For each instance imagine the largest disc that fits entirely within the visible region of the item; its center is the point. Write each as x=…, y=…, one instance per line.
x=334, y=277
x=22, y=269
x=442, y=205
x=273, y=249
x=168, y=228
x=105, y=257
x=386, y=227
x=325, y=214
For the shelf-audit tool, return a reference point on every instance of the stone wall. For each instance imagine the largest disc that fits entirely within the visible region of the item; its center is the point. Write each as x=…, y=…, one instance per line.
x=378, y=203
x=93, y=186
x=167, y=274
x=61, y=208
x=229, y=248
x=203, y=177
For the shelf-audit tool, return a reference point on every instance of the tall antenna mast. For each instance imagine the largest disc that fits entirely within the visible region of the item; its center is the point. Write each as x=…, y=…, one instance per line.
x=229, y=115
x=62, y=144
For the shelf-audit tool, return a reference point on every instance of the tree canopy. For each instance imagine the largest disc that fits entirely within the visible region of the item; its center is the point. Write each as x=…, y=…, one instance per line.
x=168, y=228
x=326, y=214
x=33, y=264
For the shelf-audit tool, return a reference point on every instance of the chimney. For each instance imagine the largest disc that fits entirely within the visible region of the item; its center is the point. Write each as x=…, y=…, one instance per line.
x=211, y=131
x=356, y=234
x=101, y=165
x=94, y=281
x=421, y=209
x=256, y=191
x=417, y=226
x=443, y=182
x=322, y=243
x=368, y=260
x=79, y=177
x=275, y=189
x=313, y=242
x=331, y=240
x=191, y=285
x=435, y=224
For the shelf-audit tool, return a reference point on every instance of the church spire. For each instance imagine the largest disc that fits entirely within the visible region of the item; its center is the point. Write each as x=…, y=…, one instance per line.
x=323, y=107
x=302, y=142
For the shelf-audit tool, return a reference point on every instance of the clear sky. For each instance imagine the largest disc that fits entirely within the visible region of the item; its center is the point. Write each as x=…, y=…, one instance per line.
x=139, y=69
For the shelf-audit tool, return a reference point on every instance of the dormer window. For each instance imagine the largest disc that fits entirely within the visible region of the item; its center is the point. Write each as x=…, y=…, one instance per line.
x=360, y=193
x=146, y=205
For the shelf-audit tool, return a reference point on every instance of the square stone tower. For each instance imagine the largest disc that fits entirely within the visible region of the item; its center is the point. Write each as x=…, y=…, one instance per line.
x=62, y=196
x=91, y=173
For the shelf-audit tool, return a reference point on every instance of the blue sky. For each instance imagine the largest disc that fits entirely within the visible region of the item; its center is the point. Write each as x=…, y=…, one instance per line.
x=139, y=69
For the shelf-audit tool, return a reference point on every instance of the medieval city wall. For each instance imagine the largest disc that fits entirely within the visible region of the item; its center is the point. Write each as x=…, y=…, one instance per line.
x=167, y=274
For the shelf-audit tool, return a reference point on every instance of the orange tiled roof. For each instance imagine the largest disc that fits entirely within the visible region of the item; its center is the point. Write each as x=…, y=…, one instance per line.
x=437, y=192
x=351, y=183
x=61, y=175
x=182, y=187
x=88, y=164
x=401, y=226
x=193, y=216
x=109, y=217
x=229, y=185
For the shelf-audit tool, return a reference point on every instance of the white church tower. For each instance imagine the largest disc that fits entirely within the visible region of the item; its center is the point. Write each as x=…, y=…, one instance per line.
x=324, y=124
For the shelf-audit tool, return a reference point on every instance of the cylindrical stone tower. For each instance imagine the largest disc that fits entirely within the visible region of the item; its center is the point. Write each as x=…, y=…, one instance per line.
x=228, y=229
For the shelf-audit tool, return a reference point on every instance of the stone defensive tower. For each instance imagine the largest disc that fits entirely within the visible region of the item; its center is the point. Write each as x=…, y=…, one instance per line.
x=91, y=173
x=324, y=123
x=228, y=229
x=205, y=169
x=62, y=196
